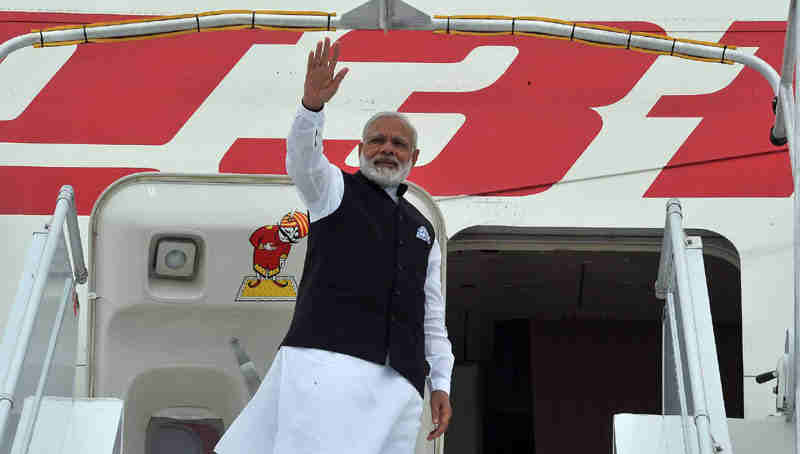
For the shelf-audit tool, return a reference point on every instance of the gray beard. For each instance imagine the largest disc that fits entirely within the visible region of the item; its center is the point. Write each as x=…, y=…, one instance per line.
x=381, y=175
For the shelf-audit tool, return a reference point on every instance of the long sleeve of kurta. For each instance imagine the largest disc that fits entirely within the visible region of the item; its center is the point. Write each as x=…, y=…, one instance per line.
x=321, y=187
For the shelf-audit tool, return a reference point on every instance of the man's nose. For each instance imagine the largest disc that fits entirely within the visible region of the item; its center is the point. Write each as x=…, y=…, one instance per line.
x=388, y=148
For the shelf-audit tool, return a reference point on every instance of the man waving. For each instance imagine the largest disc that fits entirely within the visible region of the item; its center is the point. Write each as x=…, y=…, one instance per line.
x=350, y=374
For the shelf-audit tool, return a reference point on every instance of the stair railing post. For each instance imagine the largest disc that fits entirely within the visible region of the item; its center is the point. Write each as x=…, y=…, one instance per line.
x=9, y=384
x=689, y=331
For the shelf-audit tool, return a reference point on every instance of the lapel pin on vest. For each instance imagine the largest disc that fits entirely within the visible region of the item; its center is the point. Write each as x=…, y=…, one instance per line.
x=422, y=234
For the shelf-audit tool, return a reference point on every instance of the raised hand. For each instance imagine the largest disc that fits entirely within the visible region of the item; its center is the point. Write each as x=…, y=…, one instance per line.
x=321, y=84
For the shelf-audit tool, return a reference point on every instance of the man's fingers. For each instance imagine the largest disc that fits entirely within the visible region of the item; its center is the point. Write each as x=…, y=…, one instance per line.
x=334, y=85
x=440, y=429
x=318, y=54
x=436, y=405
x=436, y=433
x=444, y=417
x=335, y=57
x=338, y=79
x=326, y=48
x=320, y=82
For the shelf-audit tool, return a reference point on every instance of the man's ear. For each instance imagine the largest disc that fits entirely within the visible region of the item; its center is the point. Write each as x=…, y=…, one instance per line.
x=414, y=157
x=360, y=146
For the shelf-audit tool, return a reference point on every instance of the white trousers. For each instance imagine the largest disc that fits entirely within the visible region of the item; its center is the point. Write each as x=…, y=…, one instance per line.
x=319, y=402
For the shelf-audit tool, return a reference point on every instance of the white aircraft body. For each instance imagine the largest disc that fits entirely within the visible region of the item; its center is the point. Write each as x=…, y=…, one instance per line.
x=550, y=161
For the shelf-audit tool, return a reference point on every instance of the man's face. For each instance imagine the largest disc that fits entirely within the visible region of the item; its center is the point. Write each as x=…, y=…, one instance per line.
x=386, y=154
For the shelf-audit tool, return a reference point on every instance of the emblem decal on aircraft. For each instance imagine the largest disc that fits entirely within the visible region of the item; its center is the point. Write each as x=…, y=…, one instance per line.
x=271, y=247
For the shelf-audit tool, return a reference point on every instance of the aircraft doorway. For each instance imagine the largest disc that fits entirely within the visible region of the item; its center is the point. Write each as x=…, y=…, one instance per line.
x=556, y=330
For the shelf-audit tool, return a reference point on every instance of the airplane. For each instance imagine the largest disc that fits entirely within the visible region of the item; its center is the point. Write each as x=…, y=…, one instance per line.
x=547, y=165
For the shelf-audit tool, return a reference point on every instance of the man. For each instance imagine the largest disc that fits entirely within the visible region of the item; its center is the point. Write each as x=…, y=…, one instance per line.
x=349, y=376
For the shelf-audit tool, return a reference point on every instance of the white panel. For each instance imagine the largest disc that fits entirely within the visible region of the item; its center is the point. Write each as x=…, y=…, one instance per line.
x=636, y=434
x=772, y=435
x=25, y=72
x=67, y=425
x=653, y=434
x=759, y=400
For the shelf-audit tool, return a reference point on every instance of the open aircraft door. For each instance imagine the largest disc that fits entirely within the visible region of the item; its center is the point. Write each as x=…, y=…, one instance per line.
x=181, y=266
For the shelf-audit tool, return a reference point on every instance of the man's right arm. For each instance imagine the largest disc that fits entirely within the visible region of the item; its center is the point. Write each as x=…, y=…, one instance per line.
x=320, y=183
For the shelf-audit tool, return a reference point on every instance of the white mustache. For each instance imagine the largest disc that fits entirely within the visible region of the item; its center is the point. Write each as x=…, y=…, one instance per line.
x=384, y=175
x=385, y=159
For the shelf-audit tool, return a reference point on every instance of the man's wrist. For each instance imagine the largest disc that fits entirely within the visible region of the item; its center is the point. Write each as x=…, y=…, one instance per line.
x=312, y=106
x=439, y=384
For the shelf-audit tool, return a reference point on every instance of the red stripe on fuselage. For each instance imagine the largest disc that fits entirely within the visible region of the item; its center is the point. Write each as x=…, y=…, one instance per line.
x=729, y=153
x=267, y=156
x=132, y=93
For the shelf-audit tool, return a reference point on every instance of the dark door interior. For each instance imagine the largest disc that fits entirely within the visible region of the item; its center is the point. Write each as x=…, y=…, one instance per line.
x=551, y=344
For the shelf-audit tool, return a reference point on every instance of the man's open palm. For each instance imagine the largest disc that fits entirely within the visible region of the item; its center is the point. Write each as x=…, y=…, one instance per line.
x=321, y=84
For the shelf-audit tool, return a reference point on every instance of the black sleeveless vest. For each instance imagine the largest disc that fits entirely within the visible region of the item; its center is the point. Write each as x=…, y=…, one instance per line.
x=362, y=290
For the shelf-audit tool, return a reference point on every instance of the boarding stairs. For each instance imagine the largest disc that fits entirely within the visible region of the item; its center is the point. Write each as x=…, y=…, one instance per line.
x=693, y=419
x=39, y=354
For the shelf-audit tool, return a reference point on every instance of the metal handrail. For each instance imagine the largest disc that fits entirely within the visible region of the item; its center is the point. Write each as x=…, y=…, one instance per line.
x=69, y=288
x=787, y=118
x=673, y=278
x=63, y=211
x=678, y=361
x=76, y=248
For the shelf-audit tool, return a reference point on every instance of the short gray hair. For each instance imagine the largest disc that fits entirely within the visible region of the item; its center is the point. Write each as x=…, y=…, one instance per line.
x=396, y=115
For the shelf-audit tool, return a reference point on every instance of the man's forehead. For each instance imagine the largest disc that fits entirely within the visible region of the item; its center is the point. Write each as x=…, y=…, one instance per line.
x=389, y=125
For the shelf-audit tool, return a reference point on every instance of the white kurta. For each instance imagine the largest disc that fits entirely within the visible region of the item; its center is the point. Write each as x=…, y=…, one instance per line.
x=315, y=401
